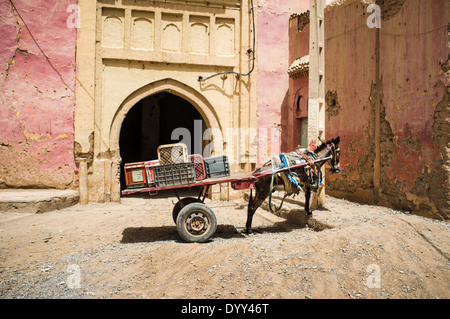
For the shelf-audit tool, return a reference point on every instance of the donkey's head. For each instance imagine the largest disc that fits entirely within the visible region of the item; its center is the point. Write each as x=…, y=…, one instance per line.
x=336, y=153
x=332, y=148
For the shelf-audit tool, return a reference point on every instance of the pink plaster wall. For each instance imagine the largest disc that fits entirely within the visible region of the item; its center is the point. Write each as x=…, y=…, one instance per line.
x=413, y=84
x=349, y=71
x=36, y=103
x=413, y=98
x=273, y=61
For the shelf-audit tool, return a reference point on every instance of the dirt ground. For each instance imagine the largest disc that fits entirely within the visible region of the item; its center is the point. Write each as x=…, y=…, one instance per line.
x=133, y=250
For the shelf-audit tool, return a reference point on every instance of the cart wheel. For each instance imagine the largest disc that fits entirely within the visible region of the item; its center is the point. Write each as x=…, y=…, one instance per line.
x=185, y=201
x=196, y=223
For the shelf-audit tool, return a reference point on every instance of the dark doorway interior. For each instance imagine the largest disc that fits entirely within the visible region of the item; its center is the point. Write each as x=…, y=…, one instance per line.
x=152, y=121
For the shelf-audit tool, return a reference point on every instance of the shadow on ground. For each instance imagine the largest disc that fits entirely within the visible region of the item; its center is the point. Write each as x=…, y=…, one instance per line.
x=169, y=233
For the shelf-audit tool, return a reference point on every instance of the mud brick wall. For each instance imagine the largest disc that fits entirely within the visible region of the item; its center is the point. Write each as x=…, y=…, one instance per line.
x=387, y=95
x=37, y=99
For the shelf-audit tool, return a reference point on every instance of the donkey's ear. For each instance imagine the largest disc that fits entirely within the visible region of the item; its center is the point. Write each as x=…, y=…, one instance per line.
x=336, y=141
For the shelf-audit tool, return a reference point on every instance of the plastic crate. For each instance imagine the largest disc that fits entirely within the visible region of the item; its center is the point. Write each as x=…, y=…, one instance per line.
x=176, y=174
x=135, y=175
x=199, y=164
x=172, y=154
x=217, y=166
x=150, y=172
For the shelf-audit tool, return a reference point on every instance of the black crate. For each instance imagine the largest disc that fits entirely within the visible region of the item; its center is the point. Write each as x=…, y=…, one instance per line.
x=175, y=174
x=217, y=166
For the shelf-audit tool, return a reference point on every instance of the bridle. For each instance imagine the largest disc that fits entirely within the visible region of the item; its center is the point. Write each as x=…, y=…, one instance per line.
x=334, y=152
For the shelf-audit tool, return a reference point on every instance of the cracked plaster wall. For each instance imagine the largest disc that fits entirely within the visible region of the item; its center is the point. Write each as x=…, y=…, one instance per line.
x=36, y=103
x=392, y=88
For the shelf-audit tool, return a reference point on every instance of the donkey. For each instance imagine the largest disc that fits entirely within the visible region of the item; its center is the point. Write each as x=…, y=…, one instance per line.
x=308, y=178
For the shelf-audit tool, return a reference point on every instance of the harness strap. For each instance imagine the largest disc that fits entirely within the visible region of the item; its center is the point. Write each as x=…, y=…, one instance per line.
x=291, y=178
x=275, y=209
x=284, y=163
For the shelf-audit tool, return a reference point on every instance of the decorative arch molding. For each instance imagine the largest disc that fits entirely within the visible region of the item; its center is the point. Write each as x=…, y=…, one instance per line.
x=169, y=85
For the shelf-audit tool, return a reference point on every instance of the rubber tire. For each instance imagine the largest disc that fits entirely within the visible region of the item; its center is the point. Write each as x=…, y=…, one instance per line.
x=177, y=207
x=183, y=216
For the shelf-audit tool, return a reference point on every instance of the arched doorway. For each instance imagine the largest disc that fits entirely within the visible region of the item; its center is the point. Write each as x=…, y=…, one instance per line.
x=113, y=184
x=161, y=118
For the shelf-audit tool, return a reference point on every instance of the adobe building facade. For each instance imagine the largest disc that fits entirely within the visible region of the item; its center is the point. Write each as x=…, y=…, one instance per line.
x=90, y=85
x=140, y=49
x=387, y=97
x=296, y=116
x=183, y=60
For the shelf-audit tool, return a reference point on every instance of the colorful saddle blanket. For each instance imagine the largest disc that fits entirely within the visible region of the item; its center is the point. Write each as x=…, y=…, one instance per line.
x=291, y=180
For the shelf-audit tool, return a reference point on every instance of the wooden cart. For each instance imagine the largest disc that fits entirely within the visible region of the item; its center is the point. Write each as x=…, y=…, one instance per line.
x=195, y=221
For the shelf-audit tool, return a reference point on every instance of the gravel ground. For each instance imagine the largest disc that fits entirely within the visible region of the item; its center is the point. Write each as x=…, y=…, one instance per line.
x=133, y=250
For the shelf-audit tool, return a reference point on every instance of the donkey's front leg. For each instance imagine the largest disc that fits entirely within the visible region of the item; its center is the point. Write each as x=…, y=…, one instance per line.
x=307, y=198
x=253, y=205
x=262, y=187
